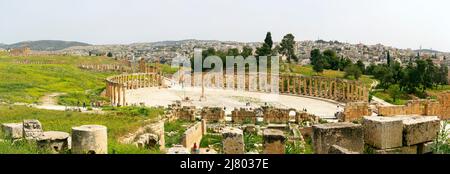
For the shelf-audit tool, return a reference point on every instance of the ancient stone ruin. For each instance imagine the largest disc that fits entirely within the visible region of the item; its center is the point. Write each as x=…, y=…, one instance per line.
x=274, y=141
x=439, y=107
x=32, y=129
x=12, y=130
x=346, y=135
x=54, y=141
x=213, y=114
x=233, y=141
x=89, y=139
x=194, y=135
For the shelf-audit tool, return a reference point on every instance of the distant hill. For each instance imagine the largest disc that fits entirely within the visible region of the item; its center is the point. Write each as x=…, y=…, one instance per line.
x=44, y=45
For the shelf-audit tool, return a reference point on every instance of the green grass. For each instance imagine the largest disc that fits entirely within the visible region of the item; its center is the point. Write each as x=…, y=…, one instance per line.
x=27, y=83
x=118, y=125
x=176, y=128
x=214, y=140
x=250, y=140
x=402, y=100
x=308, y=71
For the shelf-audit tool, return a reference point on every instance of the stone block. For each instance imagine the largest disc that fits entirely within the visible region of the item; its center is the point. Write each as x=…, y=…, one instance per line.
x=335, y=149
x=178, y=149
x=425, y=148
x=89, y=139
x=54, y=141
x=233, y=141
x=12, y=130
x=399, y=150
x=274, y=141
x=383, y=132
x=343, y=134
x=419, y=129
x=32, y=129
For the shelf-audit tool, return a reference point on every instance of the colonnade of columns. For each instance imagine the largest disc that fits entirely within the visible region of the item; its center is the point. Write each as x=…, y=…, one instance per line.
x=329, y=88
x=116, y=86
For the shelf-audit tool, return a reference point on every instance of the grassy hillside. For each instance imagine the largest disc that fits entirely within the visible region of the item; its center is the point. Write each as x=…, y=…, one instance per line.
x=308, y=71
x=28, y=82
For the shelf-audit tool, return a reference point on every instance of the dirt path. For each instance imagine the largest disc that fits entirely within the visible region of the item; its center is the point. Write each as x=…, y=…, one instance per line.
x=50, y=102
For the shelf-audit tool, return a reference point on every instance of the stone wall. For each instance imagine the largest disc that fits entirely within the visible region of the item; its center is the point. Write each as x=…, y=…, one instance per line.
x=344, y=134
x=213, y=113
x=193, y=135
x=275, y=115
x=400, y=134
x=106, y=67
x=243, y=115
x=439, y=107
x=186, y=113
x=355, y=111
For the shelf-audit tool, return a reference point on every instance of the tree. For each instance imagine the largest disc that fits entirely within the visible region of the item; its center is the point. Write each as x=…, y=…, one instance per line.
x=443, y=75
x=246, y=51
x=394, y=92
x=353, y=70
x=264, y=50
x=268, y=40
x=332, y=60
x=319, y=65
x=388, y=57
x=361, y=66
x=287, y=47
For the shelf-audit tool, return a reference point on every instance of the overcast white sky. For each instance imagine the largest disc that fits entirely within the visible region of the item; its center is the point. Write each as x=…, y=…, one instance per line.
x=399, y=23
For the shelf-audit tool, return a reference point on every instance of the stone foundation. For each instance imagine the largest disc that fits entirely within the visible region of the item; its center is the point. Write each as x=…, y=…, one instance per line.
x=12, y=130
x=233, y=141
x=54, y=141
x=274, y=141
x=345, y=135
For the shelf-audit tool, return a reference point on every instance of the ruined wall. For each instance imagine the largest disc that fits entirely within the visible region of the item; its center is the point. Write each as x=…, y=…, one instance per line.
x=444, y=102
x=355, y=111
x=186, y=113
x=213, y=113
x=193, y=135
x=243, y=115
x=411, y=108
x=439, y=107
x=20, y=51
x=303, y=117
x=275, y=115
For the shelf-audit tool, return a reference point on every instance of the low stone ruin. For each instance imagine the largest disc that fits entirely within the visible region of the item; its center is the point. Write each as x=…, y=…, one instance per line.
x=354, y=111
x=89, y=139
x=147, y=141
x=343, y=134
x=54, y=141
x=400, y=134
x=185, y=113
x=213, y=114
x=194, y=135
x=13, y=130
x=178, y=149
x=243, y=115
x=32, y=129
x=274, y=141
x=276, y=115
x=233, y=141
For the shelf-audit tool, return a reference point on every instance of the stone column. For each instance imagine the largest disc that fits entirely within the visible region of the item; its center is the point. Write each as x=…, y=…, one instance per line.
x=233, y=141
x=89, y=139
x=274, y=141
